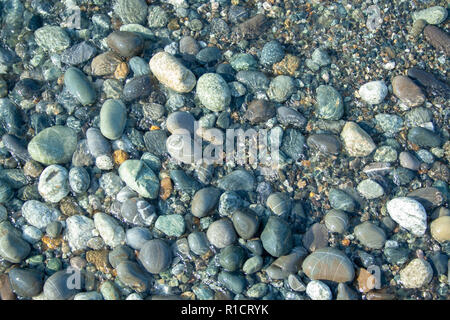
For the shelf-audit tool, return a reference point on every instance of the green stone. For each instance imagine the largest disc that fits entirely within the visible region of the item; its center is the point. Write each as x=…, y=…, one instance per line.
x=113, y=118
x=231, y=258
x=53, y=145
x=172, y=225
x=138, y=175
x=79, y=86
x=52, y=38
x=243, y=61
x=330, y=105
x=213, y=92
x=277, y=237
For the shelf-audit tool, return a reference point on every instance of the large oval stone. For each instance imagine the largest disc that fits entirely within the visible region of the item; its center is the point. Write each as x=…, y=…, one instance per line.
x=53, y=145
x=113, y=118
x=328, y=264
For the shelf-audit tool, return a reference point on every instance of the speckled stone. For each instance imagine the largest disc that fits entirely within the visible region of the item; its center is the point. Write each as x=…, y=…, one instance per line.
x=139, y=177
x=409, y=214
x=54, y=183
x=416, y=274
x=357, y=142
x=330, y=105
x=213, y=92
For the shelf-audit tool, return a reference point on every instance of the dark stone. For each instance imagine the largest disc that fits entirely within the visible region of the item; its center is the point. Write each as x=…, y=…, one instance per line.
x=137, y=88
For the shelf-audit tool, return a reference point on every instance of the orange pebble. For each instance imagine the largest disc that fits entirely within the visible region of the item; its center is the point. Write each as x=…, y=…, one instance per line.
x=165, y=188
x=345, y=242
x=153, y=127
x=50, y=243
x=120, y=157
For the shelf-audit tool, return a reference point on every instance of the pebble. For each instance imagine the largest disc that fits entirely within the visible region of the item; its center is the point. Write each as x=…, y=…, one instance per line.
x=198, y=243
x=119, y=254
x=204, y=201
x=243, y=61
x=137, y=88
x=389, y=123
x=79, y=86
x=287, y=265
x=139, y=177
x=432, y=15
x=213, y=92
x=54, y=183
x=316, y=237
x=38, y=214
x=231, y=258
x=232, y=281
x=157, y=17
x=280, y=203
x=370, y=235
x=13, y=248
x=409, y=214
x=277, y=237
x=78, y=53
x=54, y=145
x=209, y=55
x=56, y=287
x=15, y=147
x=253, y=265
x=180, y=120
x=251, y=28
x=373, y=92
x=271, y=53
x=424, y=137
x=408, y=161
x=52, y=38
x=330, y=105
x=429, y=197
x=325, y=143
x=440, y=229
x=79, y=179
x=407, y=91
x=259, y=110
x=133, y=276
x=53, y=229
x=109, y=291
x=281, y=88
x=139, y=66
x=328, y=264
x=336, y=221
x=370, y=189
x=246, y=223
x=356, y=141
x=126, y=44
x=253, y=80
x=171, y=73
x=113, y=117
x=429, y=81
x=293, y=143
x=11, y=119
x=237, y=180
x=340, y=200
x=26, y=283
x=109, y=228
x=137, y=211
x=317, y=290
x=172, y=225
x=155, y=256
x=79, y=231
x=189, y=45
x=221, y=233
x=105, y=64
x=416, y=274
x=184, y=182
x=97, y=144
x=91, y=295
x=137, y=236
x=131, y=11
x=290, y=117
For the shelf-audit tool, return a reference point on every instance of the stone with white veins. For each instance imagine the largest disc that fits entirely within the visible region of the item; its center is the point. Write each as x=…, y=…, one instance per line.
x=409, y=214
x=110, y=229
x=373, y=92
x=79, y=231
x=317, y=290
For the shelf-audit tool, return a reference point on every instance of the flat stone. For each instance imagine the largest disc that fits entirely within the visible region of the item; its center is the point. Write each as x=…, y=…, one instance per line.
x=52, y=38
x=277, y=236
x=109, y=228
x=330, y=105
x=316, y=237
x=79, y=86
x=113, y=118
x=407, y=91
x=139, y=177
x=173, y=225
x=53, y=145
x=370, y=235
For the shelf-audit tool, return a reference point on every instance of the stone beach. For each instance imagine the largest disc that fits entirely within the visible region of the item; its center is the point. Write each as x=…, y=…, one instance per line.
x=111, y=166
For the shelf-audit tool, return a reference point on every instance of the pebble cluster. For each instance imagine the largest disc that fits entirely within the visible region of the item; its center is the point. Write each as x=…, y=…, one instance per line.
x=92, y=183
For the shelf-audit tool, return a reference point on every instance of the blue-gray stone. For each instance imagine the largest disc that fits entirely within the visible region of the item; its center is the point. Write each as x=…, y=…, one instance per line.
x=79, y=86
x=26, y=283
x=173, y=225
x=330, y=105
x=137, y=236
x=237, y=180
x=293, y=143
x=424, y=137
x=271, y=53
x=277, y=237
x=340, y=200
x=139, y=177
x=113, y=118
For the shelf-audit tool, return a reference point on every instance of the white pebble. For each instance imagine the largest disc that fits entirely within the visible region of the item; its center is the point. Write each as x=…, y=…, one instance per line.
x=317, y=290
x=409, y=214
x=373, y=92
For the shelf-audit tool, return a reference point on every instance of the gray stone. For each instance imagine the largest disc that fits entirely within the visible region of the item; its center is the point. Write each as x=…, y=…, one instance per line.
x=281, y=88
x=373, y=92
x=79, y=86
x=139, y=177
x=79, y=231
x=53, y=145
x=370, y=235
x=126, y=44
x=133, y=276
x=79, y=179
x=370, y=189
x=131, y=11
x=172, y=225
x=246, y=223
x=26, y=283
x=336, y=221
x=52, y=38
x=330, y=105
x=213, y=92
x=416, y=274
x=432, y=15
x=13, y=248
x=221, y=233
x=38, y=214
x=57, y=287
x=155, y=256
x=109, y=229
x=237, y=180
x=277, y=237
x=204, y=201
x=54, y=183
x=113, y=118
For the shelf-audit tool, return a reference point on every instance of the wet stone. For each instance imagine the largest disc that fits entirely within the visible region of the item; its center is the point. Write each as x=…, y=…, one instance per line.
x=290, y=117
x=409, y=214
x=407, y=91
x=204, y=201
x=26, y=282
x=237, y=180
x=370, y=235
x=173, y=225
x=246, y=223
x=52, y=38
x=105, y=64
x=429, y=197
x=370, y=189
x=336, y=221
x=137, y=88
x=325, y=143
x=97, y=144
x=260, y=111
x=56, y=288
x=330, y=105
x=356, y=141
x=213, y=92
x=432, y=15
x=139, y=177
x=155, y=256
x=221, y=233
x=424, y=137
x=132, y=275
x=78, y=53
x=277, y=237
x=54, y=183
x=340, y=200
x=131, y=11
x=271, y=53
x=13, y=248
x=293, y=143
x=231, y=258
x=126, y=44
x=113, y=117
x=416, y=274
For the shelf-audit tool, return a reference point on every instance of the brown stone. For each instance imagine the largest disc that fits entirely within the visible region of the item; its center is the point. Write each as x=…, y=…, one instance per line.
x=70, y=207
x=6, y=292
x=439, y=171
x=166, y=188
x=100, y=259
x=437, y=38
x=260, y=111
x=316, y=237
x=407, y=91
x=251, y=28
x=287, y=66
x=121, y=71
x=105, y=64
x=440, y=229
x=366, y=281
